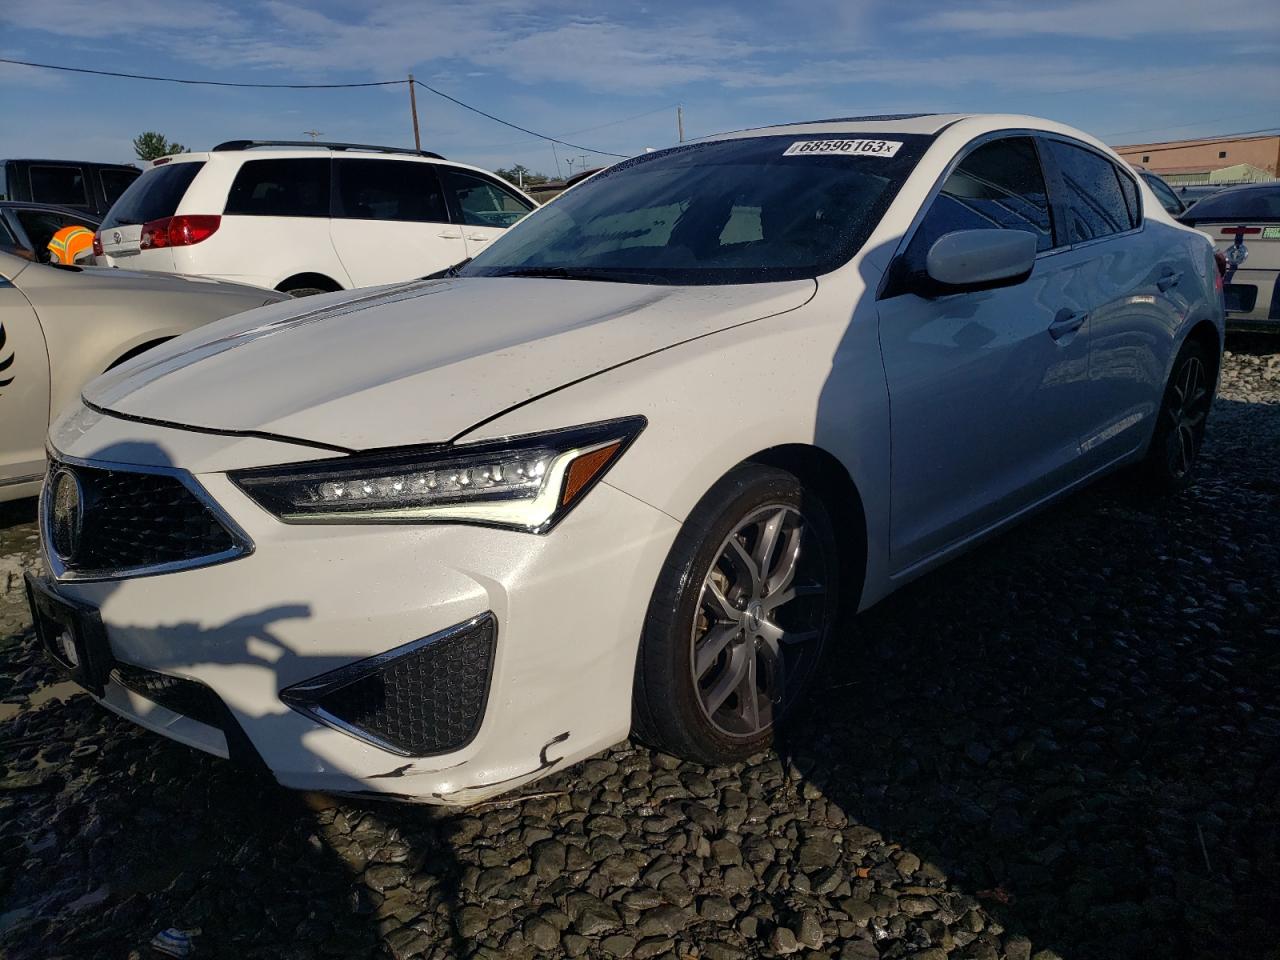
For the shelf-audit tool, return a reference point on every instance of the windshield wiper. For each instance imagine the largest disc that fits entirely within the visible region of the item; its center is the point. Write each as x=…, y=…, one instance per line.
x=447, y=271
x=555, y=273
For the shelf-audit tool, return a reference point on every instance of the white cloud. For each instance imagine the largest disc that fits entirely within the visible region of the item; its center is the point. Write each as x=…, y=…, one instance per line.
x=1103, y=19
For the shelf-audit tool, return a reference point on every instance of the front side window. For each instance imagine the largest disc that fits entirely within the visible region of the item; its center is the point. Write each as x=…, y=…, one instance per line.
x=998, y=186
x=729, y=211
x=481, y=202
x=40, y=226
x=281, y=188
x=63, y=185
x=1094, y=201
x=116, y=182
x=154, y=195
x=389, y=190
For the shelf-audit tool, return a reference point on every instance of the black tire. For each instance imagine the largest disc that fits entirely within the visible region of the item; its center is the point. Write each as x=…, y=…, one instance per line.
x=304, y=291
x=669, y=704
x=1170, y=462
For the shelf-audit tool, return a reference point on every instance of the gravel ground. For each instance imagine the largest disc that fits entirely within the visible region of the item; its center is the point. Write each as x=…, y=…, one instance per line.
x=1066, y=744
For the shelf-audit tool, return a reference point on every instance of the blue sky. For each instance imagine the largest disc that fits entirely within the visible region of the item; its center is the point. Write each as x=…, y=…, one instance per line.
x=1126, y=70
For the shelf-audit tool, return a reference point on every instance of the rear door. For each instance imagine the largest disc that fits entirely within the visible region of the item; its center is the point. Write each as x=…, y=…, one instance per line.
x=24, y=382
x=483, y=206
x=152, y=196
x=1136, y=300
x=984, y=387
x=391, y=221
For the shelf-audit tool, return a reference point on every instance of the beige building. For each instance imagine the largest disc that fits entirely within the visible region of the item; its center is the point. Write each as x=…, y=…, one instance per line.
x=1217, y=160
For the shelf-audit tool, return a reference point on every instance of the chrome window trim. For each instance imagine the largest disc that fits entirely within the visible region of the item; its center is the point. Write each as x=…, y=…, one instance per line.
x=304, y=696
x=243, y=545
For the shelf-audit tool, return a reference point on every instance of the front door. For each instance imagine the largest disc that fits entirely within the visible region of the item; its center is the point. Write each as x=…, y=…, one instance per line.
x=390, y=221
x=24, y=386
x=985, y=388
x=484, y=207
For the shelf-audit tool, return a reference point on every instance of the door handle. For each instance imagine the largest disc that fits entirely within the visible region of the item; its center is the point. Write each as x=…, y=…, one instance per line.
x=446, y=235
x=1169, y=280
x=477, y=238
x=1067, y=321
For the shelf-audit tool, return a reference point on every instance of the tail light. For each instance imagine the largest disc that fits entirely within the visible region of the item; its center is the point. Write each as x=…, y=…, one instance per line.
x=1220, y=259
x=97, y=245
x=180, y=231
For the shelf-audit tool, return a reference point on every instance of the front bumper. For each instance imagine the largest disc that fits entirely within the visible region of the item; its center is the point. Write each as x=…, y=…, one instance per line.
x=311, y=600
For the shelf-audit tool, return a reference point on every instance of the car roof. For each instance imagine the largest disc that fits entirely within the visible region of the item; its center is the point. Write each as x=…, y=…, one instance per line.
x=47, y=208
x=927, y=124
x=91, y=163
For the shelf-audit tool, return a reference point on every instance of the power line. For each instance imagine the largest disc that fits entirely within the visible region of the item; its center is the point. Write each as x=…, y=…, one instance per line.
x=306, y=86
x=1181, y=126
x=573, y=133
x=516, y=126
x=201, y=83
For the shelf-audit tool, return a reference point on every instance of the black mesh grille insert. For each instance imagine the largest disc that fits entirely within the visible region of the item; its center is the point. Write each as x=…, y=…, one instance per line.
x=187, y=697
x=425, y=698
x=135, y=520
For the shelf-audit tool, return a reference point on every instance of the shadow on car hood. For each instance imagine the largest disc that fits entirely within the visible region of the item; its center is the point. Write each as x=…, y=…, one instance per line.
x=419, y=363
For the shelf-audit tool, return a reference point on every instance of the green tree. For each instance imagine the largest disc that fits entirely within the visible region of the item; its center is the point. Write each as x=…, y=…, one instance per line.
x=514, y=173
x=151, y=146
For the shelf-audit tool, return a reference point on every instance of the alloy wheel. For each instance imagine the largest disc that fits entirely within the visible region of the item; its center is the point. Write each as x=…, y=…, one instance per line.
x=761, y=621
x=1186, y=408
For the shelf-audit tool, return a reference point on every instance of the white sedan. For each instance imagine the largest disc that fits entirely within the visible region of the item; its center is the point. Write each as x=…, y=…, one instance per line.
x=622, y=471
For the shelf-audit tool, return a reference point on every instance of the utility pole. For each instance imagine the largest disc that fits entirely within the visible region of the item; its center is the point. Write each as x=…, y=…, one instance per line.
x=413, y=107
x=314, y=134
x=680, y=124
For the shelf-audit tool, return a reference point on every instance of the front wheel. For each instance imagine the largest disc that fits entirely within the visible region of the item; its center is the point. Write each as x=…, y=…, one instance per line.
x=739, y=619
x=1184, y=409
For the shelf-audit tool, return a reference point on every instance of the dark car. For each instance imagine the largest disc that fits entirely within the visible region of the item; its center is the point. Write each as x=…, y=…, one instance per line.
x=79, y=184
x=1244, y=224
x=27, y=228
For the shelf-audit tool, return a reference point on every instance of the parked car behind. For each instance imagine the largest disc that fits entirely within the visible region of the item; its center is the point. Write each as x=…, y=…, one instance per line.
x=61, y=326
x=78, y=184
x=27, y=228
x=1244, y=223
x=622, y=470
x=305, y=218
x=1172, y=203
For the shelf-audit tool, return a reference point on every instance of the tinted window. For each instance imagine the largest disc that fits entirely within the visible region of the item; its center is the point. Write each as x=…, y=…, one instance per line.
x=1094, y=203
x=482, y=202
x=389, y=190
x=728, y=211
x=281, y=188
x=1251, y=203
x=153, y=195
x=1168, y=199
x=7, y=239
x=999, y=185
x=4, y=182
x=61, y=184
x=41, y=225
x=116, y=182
x=1131, y=202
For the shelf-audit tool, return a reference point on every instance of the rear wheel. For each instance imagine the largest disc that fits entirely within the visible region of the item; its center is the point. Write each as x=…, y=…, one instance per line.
x=1184, y=409
x=739, y=618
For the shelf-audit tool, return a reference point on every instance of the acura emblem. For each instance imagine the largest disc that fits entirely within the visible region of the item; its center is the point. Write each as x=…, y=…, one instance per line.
x=115, y=236
x=68, y=514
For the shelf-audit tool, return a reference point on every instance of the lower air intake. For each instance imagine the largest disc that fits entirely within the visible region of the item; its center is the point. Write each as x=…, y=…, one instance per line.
x=423, y=698
x=187, y=697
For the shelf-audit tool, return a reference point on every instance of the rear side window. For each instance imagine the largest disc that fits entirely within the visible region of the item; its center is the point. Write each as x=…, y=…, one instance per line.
x=153, y=195
x=998, y=186
x=1168, y=199
x=1094, y=202
x=389, y=190
x=1252, y=203
x=63, y=185
x=482, y=202
x=281, y=188
x=1130, y=191
x=116, y=182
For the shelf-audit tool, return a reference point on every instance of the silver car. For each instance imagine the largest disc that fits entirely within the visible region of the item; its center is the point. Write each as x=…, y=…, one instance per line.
x=62, y=326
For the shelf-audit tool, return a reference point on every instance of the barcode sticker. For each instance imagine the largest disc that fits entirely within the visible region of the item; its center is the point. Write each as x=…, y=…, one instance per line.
x=852, y=148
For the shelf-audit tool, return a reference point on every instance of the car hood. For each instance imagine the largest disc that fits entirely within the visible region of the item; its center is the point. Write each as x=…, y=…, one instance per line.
x=418, y=363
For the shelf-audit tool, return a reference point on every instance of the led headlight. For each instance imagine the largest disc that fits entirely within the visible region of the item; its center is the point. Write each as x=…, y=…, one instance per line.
x=528, y=482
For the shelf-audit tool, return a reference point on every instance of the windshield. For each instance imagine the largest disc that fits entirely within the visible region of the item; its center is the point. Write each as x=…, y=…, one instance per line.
x=153, y=195
x=753, y=210
x=1253, y=203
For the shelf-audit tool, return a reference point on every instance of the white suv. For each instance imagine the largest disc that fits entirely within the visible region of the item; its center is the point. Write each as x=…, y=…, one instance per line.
x=306, y=218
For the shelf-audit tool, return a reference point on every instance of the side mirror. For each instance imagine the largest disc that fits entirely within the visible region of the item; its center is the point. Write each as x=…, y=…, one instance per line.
x=980, y=260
